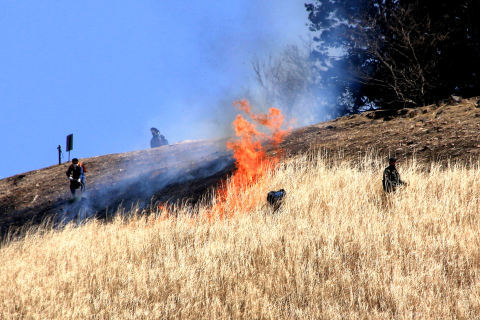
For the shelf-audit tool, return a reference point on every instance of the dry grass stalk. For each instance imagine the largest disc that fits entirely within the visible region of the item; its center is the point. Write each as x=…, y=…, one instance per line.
x=338, y=248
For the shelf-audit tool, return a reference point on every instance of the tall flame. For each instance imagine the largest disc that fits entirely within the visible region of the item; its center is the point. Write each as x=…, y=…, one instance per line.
x=251, y=160
x=250, y=157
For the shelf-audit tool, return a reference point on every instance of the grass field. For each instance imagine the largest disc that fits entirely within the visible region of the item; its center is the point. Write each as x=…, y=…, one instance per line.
x=338, y=248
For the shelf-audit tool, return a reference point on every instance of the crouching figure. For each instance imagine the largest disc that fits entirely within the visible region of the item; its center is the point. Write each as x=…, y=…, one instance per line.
x=275, y=198
x=158, y=139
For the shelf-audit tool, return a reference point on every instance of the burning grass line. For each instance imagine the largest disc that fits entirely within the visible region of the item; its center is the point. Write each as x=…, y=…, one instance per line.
x=251, y=161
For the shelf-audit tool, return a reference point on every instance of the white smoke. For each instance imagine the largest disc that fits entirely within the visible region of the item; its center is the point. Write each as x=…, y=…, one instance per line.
x=147, y=173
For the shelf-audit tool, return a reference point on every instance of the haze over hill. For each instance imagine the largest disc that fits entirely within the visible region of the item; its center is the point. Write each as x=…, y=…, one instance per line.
x=108, y=72
x=185, y=171
x=337, y=248
x=192, y=230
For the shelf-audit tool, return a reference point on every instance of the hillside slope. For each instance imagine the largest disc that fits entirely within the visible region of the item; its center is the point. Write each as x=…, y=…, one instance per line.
x=185, y=171
x=448, y=132
x=125, y=178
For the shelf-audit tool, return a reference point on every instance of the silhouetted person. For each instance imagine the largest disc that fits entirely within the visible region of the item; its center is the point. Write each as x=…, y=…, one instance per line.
x=391, y=178
x=76, y=175
x=157, y=140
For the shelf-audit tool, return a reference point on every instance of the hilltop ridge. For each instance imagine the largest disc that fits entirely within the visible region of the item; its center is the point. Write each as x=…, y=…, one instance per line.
x=185, y=171
x=443, y=133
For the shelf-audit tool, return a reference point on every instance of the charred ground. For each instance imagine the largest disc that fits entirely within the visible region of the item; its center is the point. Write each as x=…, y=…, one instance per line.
x=186, y=171
x=180, y=172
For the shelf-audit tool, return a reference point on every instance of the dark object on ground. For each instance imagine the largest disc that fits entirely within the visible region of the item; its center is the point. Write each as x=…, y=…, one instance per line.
x=275, y=198
x=158, y=139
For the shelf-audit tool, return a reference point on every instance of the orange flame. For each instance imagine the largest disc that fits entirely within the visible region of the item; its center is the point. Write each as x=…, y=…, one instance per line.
x=250, y=158
x=251, y=161
x=163, y=210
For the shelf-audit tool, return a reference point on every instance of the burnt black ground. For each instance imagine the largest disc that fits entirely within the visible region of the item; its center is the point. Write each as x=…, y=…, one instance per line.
x=185, y=172
x=175, y=173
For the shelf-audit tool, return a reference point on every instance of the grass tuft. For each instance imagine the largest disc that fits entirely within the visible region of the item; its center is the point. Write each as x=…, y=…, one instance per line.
x=338, y=248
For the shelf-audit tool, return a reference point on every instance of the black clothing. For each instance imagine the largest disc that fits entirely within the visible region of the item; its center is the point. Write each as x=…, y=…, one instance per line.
x=158, y=141
x=391, y=179
x=275, y=198
x=76, y=173
x=74, y=185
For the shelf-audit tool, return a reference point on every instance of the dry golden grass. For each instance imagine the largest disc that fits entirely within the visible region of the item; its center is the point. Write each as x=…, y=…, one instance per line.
x=338, y=248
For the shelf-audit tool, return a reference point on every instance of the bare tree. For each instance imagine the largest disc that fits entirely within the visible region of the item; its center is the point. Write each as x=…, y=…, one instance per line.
x=398, y=53
x=286, y=80
x=400, y=57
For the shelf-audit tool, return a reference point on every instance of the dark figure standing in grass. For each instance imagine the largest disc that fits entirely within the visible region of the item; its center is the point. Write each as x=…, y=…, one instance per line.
x=391, y=178
x=76, y=175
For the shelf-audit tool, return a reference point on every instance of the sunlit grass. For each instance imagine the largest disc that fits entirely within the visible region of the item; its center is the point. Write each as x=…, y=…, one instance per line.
x=338, y=248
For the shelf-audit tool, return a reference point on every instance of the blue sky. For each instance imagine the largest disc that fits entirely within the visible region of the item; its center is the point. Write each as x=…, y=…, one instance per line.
x=107, y=71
